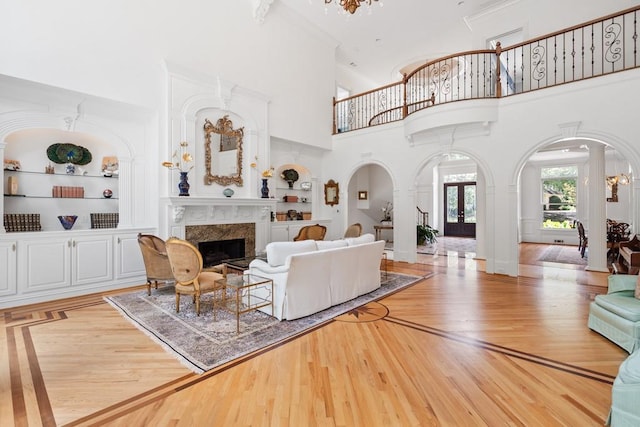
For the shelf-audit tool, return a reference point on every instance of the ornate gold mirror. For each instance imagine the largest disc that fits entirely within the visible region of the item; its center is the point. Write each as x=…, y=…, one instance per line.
x=612, y=189
x=223, y=152
x=331, y=191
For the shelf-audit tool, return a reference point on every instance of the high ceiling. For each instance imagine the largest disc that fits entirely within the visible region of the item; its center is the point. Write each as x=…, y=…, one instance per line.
x=378, y=41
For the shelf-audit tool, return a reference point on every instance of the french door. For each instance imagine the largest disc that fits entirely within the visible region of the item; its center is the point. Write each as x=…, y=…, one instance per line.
x=460, y=209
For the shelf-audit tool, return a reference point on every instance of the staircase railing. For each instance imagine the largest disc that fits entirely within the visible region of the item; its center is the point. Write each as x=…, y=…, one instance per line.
x=596, y=48
x=423, y=217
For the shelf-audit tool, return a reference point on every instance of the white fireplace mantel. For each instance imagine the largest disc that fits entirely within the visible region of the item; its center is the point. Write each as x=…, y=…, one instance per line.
x=183, y=211
x=219, y=201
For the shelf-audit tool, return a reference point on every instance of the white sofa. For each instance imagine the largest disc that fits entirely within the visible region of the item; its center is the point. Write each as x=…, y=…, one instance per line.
x=310, y=276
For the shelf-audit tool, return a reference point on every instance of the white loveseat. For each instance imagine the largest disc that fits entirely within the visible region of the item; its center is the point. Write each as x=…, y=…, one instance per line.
x=310, y=276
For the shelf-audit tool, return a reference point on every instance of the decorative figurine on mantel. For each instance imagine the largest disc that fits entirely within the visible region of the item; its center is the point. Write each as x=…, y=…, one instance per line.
x=264, y=190
x=183, y=165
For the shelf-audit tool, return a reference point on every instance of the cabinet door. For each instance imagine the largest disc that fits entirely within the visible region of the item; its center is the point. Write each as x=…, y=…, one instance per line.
x=44, y=264
x=279, y=233
x=129, y=262
x=7, y=268
x=92, y=259
x=294, y=229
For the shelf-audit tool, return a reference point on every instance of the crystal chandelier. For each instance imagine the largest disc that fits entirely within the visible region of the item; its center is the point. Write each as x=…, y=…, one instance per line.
x=350, y=5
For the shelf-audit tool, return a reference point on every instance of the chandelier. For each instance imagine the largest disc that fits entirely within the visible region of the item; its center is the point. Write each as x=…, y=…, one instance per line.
x=350, y=5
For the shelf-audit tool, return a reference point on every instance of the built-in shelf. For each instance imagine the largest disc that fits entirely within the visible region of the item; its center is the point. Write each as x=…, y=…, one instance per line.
x=60, y=174
x=65, y=198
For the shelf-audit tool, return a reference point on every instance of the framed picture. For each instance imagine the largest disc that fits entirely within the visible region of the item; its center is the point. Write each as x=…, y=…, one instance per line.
x=362, y=195
x=331, y=193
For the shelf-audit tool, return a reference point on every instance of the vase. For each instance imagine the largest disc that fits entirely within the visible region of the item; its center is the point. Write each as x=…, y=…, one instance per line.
x=265, y=189
x=183, y=185
x=67, y=221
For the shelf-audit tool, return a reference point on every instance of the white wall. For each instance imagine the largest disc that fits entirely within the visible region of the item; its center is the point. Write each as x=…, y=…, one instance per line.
x=118, y=49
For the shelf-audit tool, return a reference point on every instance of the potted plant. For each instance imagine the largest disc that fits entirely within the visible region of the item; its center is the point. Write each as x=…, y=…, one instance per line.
x=426, y=234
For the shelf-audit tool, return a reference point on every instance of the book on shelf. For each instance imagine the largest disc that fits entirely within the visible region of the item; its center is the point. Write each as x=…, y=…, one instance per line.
x=68, y=192
x=104, y=220
x=22, y=222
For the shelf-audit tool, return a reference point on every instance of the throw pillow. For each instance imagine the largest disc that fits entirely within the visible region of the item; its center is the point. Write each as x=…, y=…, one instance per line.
x=637, y=293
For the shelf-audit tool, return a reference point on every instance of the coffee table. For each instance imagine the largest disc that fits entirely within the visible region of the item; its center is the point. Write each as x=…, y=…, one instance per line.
x=240, y=264
x=250, y=292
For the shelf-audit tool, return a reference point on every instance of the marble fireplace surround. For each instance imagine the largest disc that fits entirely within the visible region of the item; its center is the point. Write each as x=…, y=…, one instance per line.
x=197, y=219
x=216, y=232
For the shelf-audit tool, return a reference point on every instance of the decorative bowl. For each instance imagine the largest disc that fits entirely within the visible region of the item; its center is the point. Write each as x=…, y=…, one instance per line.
x=107, y=193
x=67, y=221
x=228, y=192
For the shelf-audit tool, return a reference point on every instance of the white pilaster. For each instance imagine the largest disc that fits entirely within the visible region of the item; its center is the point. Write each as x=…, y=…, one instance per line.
x=597, y=226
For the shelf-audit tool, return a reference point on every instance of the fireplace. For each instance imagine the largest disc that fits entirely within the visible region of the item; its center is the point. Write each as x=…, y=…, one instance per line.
x=218, y=251
x=220, y=242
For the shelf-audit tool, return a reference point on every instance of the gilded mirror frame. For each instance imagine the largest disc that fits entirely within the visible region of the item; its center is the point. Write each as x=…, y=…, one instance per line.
x=612, y=189
x=331, y=193
x=227, y=139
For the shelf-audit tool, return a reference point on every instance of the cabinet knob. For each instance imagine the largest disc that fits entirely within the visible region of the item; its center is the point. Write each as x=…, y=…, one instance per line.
x=13, y=247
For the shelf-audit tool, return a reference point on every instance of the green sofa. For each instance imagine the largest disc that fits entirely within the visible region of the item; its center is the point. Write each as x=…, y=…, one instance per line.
x=625, y=394
x=616, y=315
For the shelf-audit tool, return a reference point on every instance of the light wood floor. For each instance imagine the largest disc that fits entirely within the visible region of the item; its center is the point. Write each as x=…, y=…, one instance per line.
x=459, y=348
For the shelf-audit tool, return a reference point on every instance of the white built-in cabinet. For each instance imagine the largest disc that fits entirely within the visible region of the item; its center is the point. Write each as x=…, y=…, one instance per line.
x=285, y=231
x=57, y=265
x=7, y=268
x=128, y=258
x=54, y=263
x=59, y=262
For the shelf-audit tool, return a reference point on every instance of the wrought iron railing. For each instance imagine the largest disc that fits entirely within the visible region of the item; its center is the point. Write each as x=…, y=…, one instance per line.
x=423, y=216
x=596, y=48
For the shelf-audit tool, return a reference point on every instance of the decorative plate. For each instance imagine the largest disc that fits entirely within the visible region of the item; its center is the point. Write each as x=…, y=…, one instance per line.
x=68, y=153
x=290, y=175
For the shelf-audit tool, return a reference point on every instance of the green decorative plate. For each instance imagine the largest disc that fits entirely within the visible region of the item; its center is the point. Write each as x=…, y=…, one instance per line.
x=68, y=153
x=290, y=175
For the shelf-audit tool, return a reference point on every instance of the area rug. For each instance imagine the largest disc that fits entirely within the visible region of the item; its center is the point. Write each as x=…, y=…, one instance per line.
x=563, y=255
x=202, y=343
x=444, y=245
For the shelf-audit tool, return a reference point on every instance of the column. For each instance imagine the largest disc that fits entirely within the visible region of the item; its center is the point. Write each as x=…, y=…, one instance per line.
x=596, y=211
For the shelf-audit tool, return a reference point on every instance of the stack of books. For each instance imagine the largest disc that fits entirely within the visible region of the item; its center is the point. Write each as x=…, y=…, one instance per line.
x=105, y=220
x=67, y=192
x=22, y=222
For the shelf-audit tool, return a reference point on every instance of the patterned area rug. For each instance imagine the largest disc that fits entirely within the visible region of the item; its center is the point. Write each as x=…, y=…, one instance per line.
x=563, y=255
x=202, y=343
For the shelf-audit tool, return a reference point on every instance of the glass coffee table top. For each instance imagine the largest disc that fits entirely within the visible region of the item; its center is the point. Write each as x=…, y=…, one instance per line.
x=242, y=293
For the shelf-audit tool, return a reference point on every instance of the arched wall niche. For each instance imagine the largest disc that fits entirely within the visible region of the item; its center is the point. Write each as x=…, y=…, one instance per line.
x=102, y=128
x=378, y=180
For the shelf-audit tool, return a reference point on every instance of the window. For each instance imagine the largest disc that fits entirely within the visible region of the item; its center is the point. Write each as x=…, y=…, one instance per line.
x=342, y=93
x=559, y=196
x=461, y=177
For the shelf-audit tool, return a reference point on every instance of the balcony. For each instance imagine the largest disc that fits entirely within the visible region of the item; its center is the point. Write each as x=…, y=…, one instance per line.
x=596, y=48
